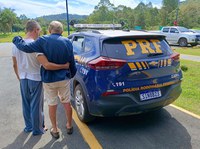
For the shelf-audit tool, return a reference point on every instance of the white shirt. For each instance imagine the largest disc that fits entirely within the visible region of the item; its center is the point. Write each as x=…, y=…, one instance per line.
x=28, y=66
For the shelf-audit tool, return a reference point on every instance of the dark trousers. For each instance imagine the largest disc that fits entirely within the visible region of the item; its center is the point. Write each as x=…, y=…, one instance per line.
x=32, y=105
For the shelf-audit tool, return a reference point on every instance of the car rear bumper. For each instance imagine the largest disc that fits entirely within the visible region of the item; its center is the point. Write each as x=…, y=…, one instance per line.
x=129, y=104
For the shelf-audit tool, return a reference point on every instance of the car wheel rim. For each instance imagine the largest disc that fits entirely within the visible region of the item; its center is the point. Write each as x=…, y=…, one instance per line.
x=183, y=43
x=79, y=103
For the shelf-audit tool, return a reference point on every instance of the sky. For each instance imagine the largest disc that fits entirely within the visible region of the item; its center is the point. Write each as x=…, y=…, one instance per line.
x=37, y=8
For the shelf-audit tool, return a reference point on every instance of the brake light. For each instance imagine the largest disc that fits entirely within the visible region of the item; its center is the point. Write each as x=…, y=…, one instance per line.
x=109, y=92
x=175, y=57
x=105, y=63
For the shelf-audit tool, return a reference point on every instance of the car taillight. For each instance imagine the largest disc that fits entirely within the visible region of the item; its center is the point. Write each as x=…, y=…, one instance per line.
x=105, y=63
x=175, y=57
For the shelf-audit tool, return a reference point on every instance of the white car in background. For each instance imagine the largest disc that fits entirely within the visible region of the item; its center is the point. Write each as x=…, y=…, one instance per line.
x=195, y=31
x=180, y=35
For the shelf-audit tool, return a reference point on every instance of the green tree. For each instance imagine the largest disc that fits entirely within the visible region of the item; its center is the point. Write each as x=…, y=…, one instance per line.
x=170, y=5
x=140, y=15
x=125, y=14
x=19, y=25
x=102, y=15
x=168, y=11
x=7, y=19
x=190, y=14
x=105, y=3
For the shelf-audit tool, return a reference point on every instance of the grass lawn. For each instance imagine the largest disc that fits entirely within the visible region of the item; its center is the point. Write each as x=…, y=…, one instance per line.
x=190, y=97
x=189, y=51
x=8, y=37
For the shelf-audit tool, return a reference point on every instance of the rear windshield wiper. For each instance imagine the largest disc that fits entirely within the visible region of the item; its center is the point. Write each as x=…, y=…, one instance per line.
x=154, y=54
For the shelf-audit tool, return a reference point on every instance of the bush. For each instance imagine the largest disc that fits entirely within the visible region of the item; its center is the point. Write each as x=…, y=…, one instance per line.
x=184, y=68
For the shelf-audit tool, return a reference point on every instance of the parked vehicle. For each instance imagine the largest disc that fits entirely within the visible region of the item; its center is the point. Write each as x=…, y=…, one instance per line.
x=195, y=31
x=123, y=73
x=180, y=35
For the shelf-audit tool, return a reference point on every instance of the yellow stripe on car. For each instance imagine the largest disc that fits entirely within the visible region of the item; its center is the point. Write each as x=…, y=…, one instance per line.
x=143, y=65
x=132, y=66
x=138, y=65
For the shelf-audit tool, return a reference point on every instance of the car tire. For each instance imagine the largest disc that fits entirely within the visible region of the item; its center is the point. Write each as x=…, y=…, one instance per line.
x=182, y=42
x=81, y=105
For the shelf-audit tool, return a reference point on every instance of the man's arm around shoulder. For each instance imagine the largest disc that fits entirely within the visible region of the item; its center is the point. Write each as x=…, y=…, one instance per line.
x=27, y=47
x=50, y=66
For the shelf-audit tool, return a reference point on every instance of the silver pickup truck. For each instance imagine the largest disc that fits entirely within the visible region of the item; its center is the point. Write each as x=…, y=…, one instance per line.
x=180, y=35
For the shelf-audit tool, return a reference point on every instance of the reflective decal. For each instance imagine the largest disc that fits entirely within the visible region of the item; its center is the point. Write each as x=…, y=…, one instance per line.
x=165, y=62
x=156, y=45
x=83, y=71
x=132, y=66
x=169, y=62
x=145, y=46
x=77, y=58
x=149, y=86
x=80, y=59
x=143, y=65
x=129, y=45
x=118, y=84
x=138, y=65
x=126, y=90
x=147, y=65
x=174, y=75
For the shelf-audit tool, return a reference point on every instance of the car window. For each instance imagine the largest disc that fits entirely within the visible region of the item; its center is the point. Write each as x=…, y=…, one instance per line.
x=78, y=44
x=70, y=38
x=132, y=48
x=166, y=30
x=174, y=30
x=183, y=29
x=89, y=44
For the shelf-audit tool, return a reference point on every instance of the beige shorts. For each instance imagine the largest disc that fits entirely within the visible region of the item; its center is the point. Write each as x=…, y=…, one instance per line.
x=53, y=92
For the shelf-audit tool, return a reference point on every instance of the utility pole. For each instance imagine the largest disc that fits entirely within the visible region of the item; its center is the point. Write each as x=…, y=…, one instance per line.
x=67, y=18
x=176, y=22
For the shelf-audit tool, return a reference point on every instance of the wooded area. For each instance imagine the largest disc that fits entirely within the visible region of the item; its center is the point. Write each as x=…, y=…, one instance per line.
x=145, y=16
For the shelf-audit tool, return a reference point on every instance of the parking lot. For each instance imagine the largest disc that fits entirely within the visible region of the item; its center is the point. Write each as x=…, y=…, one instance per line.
x=168, y=128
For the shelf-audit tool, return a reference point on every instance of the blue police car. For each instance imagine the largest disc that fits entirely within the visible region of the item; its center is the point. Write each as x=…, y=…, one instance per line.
x=123, y=73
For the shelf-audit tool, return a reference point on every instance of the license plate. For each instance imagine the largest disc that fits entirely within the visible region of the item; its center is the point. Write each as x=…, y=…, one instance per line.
x=150, y=94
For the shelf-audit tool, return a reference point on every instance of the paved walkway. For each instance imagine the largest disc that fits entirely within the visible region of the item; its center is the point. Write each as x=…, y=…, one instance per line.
x=190, y=57
x=5, y=49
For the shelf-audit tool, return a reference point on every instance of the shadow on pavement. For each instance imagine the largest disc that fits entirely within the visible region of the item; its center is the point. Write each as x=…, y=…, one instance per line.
x=74, y=141
x=45, y=141
x=152, y=130
x=22, y=142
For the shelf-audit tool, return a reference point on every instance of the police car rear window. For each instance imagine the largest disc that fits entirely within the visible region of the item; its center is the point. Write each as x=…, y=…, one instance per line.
x=132, y=48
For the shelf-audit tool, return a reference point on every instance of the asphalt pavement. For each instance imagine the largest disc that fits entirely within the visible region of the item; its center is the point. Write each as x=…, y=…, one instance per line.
x=167, y=128
x=12, y=124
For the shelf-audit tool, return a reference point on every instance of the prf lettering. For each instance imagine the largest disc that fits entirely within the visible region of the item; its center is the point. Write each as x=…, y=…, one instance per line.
x=145, y=46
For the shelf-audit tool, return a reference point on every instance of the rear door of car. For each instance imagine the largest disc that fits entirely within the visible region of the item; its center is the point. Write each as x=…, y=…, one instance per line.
x=166, y=32
x=85, y=49
x=174, y=35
